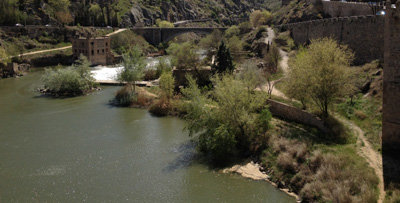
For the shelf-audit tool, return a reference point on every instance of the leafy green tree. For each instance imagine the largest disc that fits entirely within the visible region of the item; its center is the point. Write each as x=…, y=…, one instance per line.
x=167, y=83
x=227, y=119
x=272, y=58
x=258, y=18
x=232, y=31
x=321, y=73
x=164, y=24
x=223, y=61
x=208, y=42
x=134, y=65
x=234, y=44
x=183, y=55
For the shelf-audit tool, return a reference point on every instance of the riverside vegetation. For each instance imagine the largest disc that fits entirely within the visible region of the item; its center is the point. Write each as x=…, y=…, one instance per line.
x=229, y=118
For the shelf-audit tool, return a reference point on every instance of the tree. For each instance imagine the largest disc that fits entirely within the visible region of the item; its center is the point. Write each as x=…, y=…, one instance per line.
x=3, y=56
x=209, y=41
x=320, y=73
x=258, y=18
x=272, y=58
x=164, y=24
x=167, y=83
x=134, y=65
x=223, y=61
x=227, y=120
x=183, y=55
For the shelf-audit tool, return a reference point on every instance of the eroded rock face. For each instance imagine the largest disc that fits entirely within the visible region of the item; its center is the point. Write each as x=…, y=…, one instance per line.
x=142, y=15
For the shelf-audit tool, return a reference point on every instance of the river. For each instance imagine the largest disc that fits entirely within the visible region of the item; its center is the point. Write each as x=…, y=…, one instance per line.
x=82, y=149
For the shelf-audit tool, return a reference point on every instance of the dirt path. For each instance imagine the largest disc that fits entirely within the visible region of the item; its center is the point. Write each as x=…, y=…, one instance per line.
x=63, y=48
x=283, y=64
x=365, y=150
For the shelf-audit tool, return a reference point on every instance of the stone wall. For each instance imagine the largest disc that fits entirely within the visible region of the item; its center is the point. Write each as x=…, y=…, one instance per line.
x=391, y=99
x=362, y=34
x=345, y=9
x=294, y=114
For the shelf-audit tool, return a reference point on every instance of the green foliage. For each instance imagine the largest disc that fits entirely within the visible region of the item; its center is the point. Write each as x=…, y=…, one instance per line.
x=234, y=44
x=10, y=14
x=365, y=112
x=245, y=27
x=167, y=83
x=72, y=81
x=127, y=40
x=164, y=24
x=163, y=66
x=258, y=18
x=209, y=42
x=232, y=31
x=3, y=56
x=226, y=118
x=320, y=74
x=272, y=58
x=183, y=55
x=134, y=65
x=223, y=61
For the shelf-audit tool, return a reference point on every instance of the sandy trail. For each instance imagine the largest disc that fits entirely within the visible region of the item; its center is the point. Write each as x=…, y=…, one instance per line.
x=365, y=149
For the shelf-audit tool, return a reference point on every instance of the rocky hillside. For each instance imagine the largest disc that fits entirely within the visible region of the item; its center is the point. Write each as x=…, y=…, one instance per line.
x=122, y=12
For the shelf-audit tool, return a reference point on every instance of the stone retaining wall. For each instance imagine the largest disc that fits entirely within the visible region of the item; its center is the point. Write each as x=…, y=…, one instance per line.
x=294, y=114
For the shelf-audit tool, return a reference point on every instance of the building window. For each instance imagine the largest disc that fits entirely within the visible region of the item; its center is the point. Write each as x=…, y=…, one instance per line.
x=92, y=43
x=82, y=44
x=103, y=51
x=106, y=44
x=98, y=51
x=92, y=52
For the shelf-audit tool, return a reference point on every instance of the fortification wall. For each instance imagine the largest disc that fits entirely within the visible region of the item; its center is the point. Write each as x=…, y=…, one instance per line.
x=291, y=113
x=362, y=34
x=391, y=99
x=343, y=9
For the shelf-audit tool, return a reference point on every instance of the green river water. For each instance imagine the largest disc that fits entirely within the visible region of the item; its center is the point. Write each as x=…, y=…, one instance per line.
x=82, y=149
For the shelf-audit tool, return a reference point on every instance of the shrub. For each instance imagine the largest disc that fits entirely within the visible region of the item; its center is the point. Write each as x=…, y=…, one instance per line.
x=245, y=27
x=72, y=81
x=232, y=31
x=125, y=96
x=258, y=18
x=164, y=24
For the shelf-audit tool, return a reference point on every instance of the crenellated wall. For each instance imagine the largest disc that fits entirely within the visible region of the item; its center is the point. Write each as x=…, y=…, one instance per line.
x=363, y=34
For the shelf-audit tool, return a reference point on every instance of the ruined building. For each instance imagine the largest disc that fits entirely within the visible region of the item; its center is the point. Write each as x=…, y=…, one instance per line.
x=391, y=98
x=97, y=50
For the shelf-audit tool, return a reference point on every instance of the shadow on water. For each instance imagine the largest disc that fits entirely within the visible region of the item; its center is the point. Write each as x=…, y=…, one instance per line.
x=187, y=156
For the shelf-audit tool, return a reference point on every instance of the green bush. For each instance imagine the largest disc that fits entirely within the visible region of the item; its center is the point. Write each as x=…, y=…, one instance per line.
x=72, y=81
x=227, y=118
x=164, y=24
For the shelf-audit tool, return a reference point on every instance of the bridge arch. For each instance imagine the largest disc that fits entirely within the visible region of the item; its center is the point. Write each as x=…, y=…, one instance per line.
x=155, y=36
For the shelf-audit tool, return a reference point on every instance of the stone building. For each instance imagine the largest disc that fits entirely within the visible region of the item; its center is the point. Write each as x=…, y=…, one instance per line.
x=97, y=50
x=391, y=98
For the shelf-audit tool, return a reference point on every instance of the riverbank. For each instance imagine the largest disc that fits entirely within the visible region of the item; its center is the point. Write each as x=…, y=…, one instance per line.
x=254, y=171
x=110, y=154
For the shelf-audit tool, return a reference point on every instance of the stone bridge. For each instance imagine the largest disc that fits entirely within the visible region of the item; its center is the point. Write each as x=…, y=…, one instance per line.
x=155, y=35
